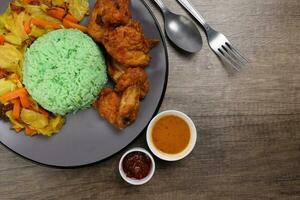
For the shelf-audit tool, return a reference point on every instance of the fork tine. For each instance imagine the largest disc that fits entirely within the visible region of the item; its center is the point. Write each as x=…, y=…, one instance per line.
x=236, y=52
x=237, y=64
x=225, y=57
x=233, y=56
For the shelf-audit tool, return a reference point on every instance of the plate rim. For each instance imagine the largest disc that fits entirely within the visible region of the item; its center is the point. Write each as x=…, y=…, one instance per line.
x=144, y=129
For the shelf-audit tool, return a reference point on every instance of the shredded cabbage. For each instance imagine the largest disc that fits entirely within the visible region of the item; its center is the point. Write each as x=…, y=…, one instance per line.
x=6, y=86
x=34, y=119
x=54, y=126
x=78, y=8
x=13, y=23
x=15, y=124
x=10, y=57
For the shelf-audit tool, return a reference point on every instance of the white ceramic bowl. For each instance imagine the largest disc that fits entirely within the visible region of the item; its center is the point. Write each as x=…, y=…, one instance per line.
x=186, y=151
x=136, y=181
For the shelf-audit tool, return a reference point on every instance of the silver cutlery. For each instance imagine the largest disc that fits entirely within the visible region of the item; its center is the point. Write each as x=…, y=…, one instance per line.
x=217, y=41
x=182, y=31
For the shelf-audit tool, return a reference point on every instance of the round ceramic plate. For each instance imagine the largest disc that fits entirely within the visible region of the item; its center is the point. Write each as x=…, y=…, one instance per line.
x=86, y=138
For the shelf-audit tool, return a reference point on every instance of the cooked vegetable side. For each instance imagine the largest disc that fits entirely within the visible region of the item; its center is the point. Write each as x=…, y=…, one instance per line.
x=20, y=25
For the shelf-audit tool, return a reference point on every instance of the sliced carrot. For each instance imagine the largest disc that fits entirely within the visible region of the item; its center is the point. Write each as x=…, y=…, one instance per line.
x=27, y=28
x=57, y=12
x=45, y=24
x=13, y=95
x=2, y=39
x=16, y=109
x=68, y=24
x=30, y=131
x=71, y=18
x=33, y=2
x=25, y=101
x=44, y=112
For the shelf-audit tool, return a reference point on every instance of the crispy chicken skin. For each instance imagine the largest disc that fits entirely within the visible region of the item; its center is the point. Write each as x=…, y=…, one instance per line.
x=95, y=30
x=129, y=107
x=114, y=12
x=115, y=70
x=128, y=45
x=126, y=77
x=108, y=105
x=134, y=76
x=108, y=14
x=121, y=111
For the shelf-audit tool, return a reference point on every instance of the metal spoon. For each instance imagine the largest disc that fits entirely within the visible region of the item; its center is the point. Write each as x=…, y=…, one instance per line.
x=181, y=30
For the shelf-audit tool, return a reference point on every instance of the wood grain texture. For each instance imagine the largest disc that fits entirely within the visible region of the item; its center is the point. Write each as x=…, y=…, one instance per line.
x=248, y=125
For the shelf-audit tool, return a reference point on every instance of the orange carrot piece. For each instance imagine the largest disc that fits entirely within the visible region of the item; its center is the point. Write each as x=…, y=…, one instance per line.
x=33, y=2
x=44, y=112
x=29, y=131
x=57, y=12
x=68, y=24
x=16, y=109
x=27, y=28
x=25, y=101
x=45, y=24
x=13, y=95
x=71, y=18
x=2, y=39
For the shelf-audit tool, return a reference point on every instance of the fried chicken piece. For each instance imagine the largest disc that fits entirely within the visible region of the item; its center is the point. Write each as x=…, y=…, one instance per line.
x=128, y=45
x=95, y=27
x=134, y=76
x=129, y=107
x=3, y=73
x=114, y=12
x=115, y=70
x=120, y=111
x=108, y=105
x=108, y=14
x=126, y=77
x=151, y=43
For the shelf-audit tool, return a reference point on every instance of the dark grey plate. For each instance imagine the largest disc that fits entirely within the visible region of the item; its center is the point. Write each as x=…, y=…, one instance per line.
x=86, y=138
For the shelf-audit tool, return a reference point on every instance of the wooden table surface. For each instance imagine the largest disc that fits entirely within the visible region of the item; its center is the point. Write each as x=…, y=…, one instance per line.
x=248, y=124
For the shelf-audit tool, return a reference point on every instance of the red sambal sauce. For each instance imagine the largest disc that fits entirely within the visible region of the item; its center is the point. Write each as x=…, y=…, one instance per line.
x=137, y=165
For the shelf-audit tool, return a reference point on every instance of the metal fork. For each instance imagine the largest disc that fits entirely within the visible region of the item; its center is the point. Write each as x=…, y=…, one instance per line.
x=217, y=41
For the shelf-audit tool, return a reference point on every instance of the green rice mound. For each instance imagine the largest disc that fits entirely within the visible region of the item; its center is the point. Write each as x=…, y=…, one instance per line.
x=64, y=71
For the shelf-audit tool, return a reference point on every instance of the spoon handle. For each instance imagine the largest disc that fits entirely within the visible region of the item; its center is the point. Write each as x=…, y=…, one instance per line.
x=187, y=5
x=161, y=5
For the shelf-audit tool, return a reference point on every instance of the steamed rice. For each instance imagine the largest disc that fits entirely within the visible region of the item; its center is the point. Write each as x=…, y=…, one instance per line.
x=64, y=71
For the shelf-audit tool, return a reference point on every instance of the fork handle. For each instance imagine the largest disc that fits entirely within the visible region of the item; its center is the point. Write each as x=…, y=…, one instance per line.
x=189, y=7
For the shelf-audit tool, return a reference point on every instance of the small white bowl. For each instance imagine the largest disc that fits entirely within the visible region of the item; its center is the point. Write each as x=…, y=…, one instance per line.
x=186, y=151
x=136, y=181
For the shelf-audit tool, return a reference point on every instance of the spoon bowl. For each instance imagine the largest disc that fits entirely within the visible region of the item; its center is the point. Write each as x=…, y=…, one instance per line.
x=183, y=32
